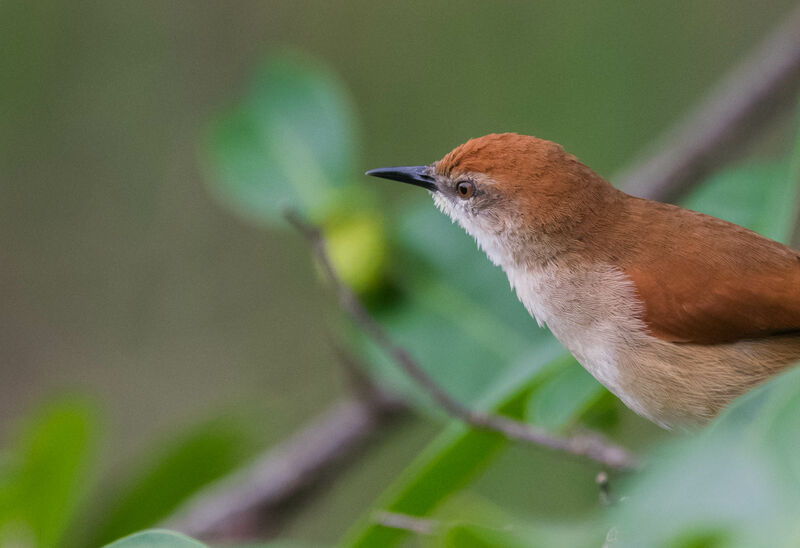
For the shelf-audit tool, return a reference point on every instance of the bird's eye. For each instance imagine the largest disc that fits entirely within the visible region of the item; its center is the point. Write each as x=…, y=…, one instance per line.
x=465, y=189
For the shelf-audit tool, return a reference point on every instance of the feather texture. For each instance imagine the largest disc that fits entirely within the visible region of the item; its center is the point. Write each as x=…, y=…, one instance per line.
x=707, y=281
x=674, y=311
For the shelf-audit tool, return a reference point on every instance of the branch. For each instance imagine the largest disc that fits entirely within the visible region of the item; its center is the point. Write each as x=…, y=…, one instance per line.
x=254, y=500
x=412, y=524
x=766, y=81
x=748, y=97
x=593, y=447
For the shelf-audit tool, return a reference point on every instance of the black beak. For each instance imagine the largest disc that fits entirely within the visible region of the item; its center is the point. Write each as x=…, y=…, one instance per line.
x=413, y=175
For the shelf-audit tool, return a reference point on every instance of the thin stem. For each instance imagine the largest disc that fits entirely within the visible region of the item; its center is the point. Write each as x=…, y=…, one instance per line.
x=591, y=446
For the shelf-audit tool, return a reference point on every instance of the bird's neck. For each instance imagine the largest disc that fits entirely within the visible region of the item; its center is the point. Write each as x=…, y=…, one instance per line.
x=585, y=235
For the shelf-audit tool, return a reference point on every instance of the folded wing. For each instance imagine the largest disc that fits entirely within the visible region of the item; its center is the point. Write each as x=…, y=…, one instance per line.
x=720, y=283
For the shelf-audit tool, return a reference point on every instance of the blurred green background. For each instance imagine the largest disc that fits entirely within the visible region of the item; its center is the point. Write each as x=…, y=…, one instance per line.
x=123, y=280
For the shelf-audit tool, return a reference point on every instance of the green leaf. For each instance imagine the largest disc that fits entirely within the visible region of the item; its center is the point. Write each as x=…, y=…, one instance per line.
x=156, y=538
x=206, y=453
x=761, y=197
x=290, y=142
x=45, y=479
x=700, y=539
x=733, y=485
x=451, y=460
x=456, y=313
x=564, y=398
x=162, y=538
x=463, y=365
x=467, y=518
x=470, y=535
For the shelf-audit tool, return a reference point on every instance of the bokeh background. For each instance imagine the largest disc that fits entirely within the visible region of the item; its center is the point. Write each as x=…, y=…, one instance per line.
x=123, y=280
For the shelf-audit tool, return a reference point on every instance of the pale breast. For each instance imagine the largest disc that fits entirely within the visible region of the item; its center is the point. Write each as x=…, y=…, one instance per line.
x=596, y=315
x=592, y=312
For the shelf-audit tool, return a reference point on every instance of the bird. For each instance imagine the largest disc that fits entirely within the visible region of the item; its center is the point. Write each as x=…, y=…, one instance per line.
x=675, y=312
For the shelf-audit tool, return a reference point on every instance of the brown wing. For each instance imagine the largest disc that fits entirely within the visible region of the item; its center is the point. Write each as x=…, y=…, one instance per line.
x=715, y=282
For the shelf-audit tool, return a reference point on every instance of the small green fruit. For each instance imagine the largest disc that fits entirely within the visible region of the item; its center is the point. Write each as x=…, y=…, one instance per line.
x=357, y=248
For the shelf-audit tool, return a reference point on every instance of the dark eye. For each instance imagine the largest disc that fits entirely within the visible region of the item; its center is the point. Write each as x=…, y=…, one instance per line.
x=465, y=189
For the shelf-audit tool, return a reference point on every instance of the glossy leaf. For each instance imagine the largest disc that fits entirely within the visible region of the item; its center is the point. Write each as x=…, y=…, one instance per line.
x=288, y=143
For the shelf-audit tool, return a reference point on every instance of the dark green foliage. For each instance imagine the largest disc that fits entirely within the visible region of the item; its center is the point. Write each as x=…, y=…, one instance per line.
x=450, y=461
x=45, y=476
x=737, y=479
x=175, y=471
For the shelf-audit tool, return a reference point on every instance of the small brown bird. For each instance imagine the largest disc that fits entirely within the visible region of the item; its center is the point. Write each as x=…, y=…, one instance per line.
x=675, y=312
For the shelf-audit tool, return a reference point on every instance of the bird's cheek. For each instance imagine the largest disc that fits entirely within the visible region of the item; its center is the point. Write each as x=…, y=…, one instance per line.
x=444, y=205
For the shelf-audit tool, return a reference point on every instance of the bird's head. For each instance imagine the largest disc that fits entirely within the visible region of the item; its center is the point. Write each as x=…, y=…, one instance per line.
x=511, y=192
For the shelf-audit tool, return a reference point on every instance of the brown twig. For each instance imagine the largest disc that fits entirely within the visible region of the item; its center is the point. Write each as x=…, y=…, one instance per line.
x=739, y=105
x=593, y=447
x=756, y=89
x=412, y=524
x=254, y=500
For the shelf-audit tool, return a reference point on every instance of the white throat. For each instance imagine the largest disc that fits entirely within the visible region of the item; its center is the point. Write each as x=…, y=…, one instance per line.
x=498, y=238
x=586, y=306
